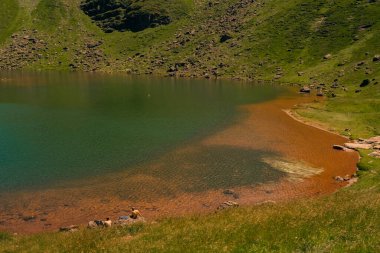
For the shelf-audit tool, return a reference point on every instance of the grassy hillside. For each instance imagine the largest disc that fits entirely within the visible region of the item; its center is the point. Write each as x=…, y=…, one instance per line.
x=8, y=18
x=265, y=39
x=307, y=42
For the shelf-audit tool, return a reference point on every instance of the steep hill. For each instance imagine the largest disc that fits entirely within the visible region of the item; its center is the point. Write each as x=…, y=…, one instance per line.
x=330, y=44
x=293, y=40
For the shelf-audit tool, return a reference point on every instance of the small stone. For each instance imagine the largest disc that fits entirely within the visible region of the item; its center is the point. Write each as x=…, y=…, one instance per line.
x=172, y=69
x=128, y=221
x=99, y=223
x=339, y=147
x=327, y=56
x=94, y=44
x=358, y=146
x=71, y=228
x=305, y=89
x=347, y=178
x=231, y=192
x=225, y=37
x=375, y=154
x=375, y=139
x=365, y=83
x=228, y=192
x=227, y=205
x=339, y=179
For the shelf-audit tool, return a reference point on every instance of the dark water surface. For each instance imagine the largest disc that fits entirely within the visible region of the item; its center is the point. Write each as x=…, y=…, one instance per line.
x=57, y=127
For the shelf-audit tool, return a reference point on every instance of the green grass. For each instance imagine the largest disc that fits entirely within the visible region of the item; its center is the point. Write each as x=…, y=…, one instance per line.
x=293, y=36
x=174, y=8
x=8, y=18
x=356, y=115
x=49, y=14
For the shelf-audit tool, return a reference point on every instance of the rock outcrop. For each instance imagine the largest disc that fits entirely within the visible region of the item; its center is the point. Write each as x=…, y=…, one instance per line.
x=122, y=15
x=372, y=143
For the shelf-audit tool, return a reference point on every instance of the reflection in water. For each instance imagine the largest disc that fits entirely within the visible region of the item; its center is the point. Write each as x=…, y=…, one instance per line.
x=59, y=127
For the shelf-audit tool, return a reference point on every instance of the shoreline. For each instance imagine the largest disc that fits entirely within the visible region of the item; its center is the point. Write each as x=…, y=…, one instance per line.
x=294, y=115
x=190, y=203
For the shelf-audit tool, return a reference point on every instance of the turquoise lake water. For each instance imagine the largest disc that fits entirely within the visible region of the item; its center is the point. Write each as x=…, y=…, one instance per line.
x=57, y=127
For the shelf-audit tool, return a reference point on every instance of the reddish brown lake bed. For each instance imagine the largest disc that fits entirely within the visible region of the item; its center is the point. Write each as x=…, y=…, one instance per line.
x=306, y=166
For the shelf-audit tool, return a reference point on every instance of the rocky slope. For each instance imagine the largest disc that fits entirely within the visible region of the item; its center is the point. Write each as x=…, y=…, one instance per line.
x=309, y=41
x=130, y=15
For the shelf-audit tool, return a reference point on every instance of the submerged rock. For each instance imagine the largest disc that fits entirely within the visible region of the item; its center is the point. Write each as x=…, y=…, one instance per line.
x=228, y=192
x=29, y=218
x=231, y=192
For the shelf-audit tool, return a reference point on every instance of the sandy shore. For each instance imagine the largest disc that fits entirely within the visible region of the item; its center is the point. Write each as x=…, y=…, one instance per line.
x=306, y=160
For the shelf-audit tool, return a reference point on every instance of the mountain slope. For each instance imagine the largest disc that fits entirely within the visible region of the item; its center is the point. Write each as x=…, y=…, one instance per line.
x=271, y=39
x=9, y=10
x=333, y=45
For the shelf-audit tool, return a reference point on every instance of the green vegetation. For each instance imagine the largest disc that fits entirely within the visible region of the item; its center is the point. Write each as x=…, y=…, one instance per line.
x=8, y=18
x=274, y=39
x=49, y=14
x=269, y=39
x=356, y=115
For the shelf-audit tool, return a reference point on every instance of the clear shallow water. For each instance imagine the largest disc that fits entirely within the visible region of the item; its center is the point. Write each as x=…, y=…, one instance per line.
x=57, y=127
